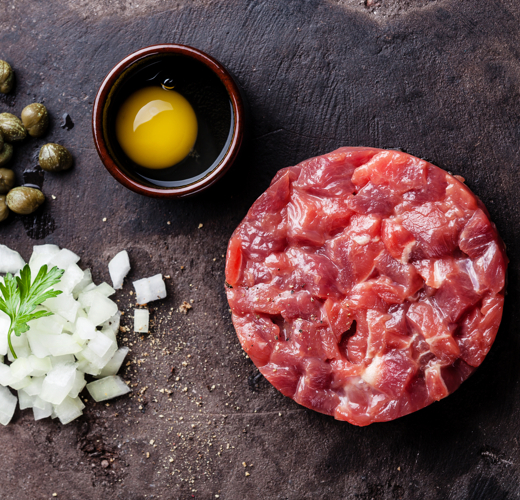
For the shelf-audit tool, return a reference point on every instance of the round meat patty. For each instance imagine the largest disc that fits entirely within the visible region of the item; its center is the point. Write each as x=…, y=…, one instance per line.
x=366, y=284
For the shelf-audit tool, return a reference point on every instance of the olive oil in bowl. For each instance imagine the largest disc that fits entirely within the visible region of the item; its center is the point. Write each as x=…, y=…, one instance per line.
x=170, y=121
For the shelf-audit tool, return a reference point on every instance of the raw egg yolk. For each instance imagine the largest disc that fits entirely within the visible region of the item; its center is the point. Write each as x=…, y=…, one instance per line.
x=156, y=128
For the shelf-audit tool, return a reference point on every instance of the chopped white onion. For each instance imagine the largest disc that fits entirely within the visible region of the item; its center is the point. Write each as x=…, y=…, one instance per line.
x=101, y=310
x=79, y=338
x=118, y=268
x=42, y=413
x=58, y=383
x=42, y=254
x=71, y=278
x=7, y=405
x=69, y=410
x=85, y=329
x=79, y=384
x=5, y=375
x=113, y=323
x=20, y=368
x=105, y=289
x=63, y=305
x=10, y=261
x=4, y=328
x=39, y=366
x=35, y=387
x=149, y=289
x=20, y=384
x=100, y=344
x=113, y=366
x=47, y=324
x=63, y=259
x=107, y=388
x=24, y=400
x=85, y=281
x=141, y=320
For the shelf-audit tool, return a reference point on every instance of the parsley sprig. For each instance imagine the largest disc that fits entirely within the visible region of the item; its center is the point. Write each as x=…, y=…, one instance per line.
x=21, y=297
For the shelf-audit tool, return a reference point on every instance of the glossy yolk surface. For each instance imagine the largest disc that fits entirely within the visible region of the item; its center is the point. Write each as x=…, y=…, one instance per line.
x=156, y=128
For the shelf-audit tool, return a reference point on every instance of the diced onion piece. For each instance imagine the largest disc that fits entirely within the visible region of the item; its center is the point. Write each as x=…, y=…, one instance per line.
x=40, y=403
x=85, y=281
x=118, y=268
x=42, y=413
x=56, y=345
x=20, y=368
x=10, y=261
x=20, y=384
x=110, y=334
x=107, y=388
x=37, y=343
x=24, y=400
x=88, y=368
x=42, y=255
x=58, y=383
x=70, y=279
x=113, y=366
x=7, y=405
x=40, y=252
x=79, y=384
x=47, y=324
x=149, y=289
x=65, y=359
x=39, y=366
x=105, y=289
x=35, y=387
x=85, y=328
x=141, y=320
x=101, y=309
x=5, y=375
x=99, y=361
x=5, y=322
x=63, y=259
x=100, y=344
x=69, y=410
x=64, y=305
x=113, y=323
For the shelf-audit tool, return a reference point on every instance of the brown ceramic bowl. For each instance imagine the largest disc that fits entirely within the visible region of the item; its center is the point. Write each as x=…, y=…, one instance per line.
x=110, y=96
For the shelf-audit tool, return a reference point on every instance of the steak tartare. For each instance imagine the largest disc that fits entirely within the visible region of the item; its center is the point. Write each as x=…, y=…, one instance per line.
x=366, y=283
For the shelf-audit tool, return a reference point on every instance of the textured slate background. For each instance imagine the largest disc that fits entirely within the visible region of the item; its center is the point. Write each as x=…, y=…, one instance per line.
x=439, y=79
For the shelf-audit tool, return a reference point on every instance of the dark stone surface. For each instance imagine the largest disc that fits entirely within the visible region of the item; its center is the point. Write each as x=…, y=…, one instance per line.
x=439, y=79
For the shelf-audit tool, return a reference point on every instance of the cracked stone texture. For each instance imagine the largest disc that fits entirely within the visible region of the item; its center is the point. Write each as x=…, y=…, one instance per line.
x=439, y=79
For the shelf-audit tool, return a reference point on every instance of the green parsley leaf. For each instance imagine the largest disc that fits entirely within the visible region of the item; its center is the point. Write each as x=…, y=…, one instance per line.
x=21, y=296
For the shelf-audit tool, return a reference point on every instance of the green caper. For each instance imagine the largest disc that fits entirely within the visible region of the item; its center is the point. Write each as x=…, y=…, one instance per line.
x=12, y=127
x=54, y=158
x=35, y=119
x=6, y=180
x=24, y=200
x=6, y=154
x=4, y=209
x=6, y=77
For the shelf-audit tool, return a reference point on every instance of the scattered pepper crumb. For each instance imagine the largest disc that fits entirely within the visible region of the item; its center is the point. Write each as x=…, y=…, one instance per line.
x=185, y=307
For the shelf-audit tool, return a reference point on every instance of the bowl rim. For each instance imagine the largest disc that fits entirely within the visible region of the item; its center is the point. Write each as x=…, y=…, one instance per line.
x=232, y=89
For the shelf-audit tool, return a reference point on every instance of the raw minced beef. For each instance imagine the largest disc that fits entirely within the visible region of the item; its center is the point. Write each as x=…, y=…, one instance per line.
x=366, y=284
